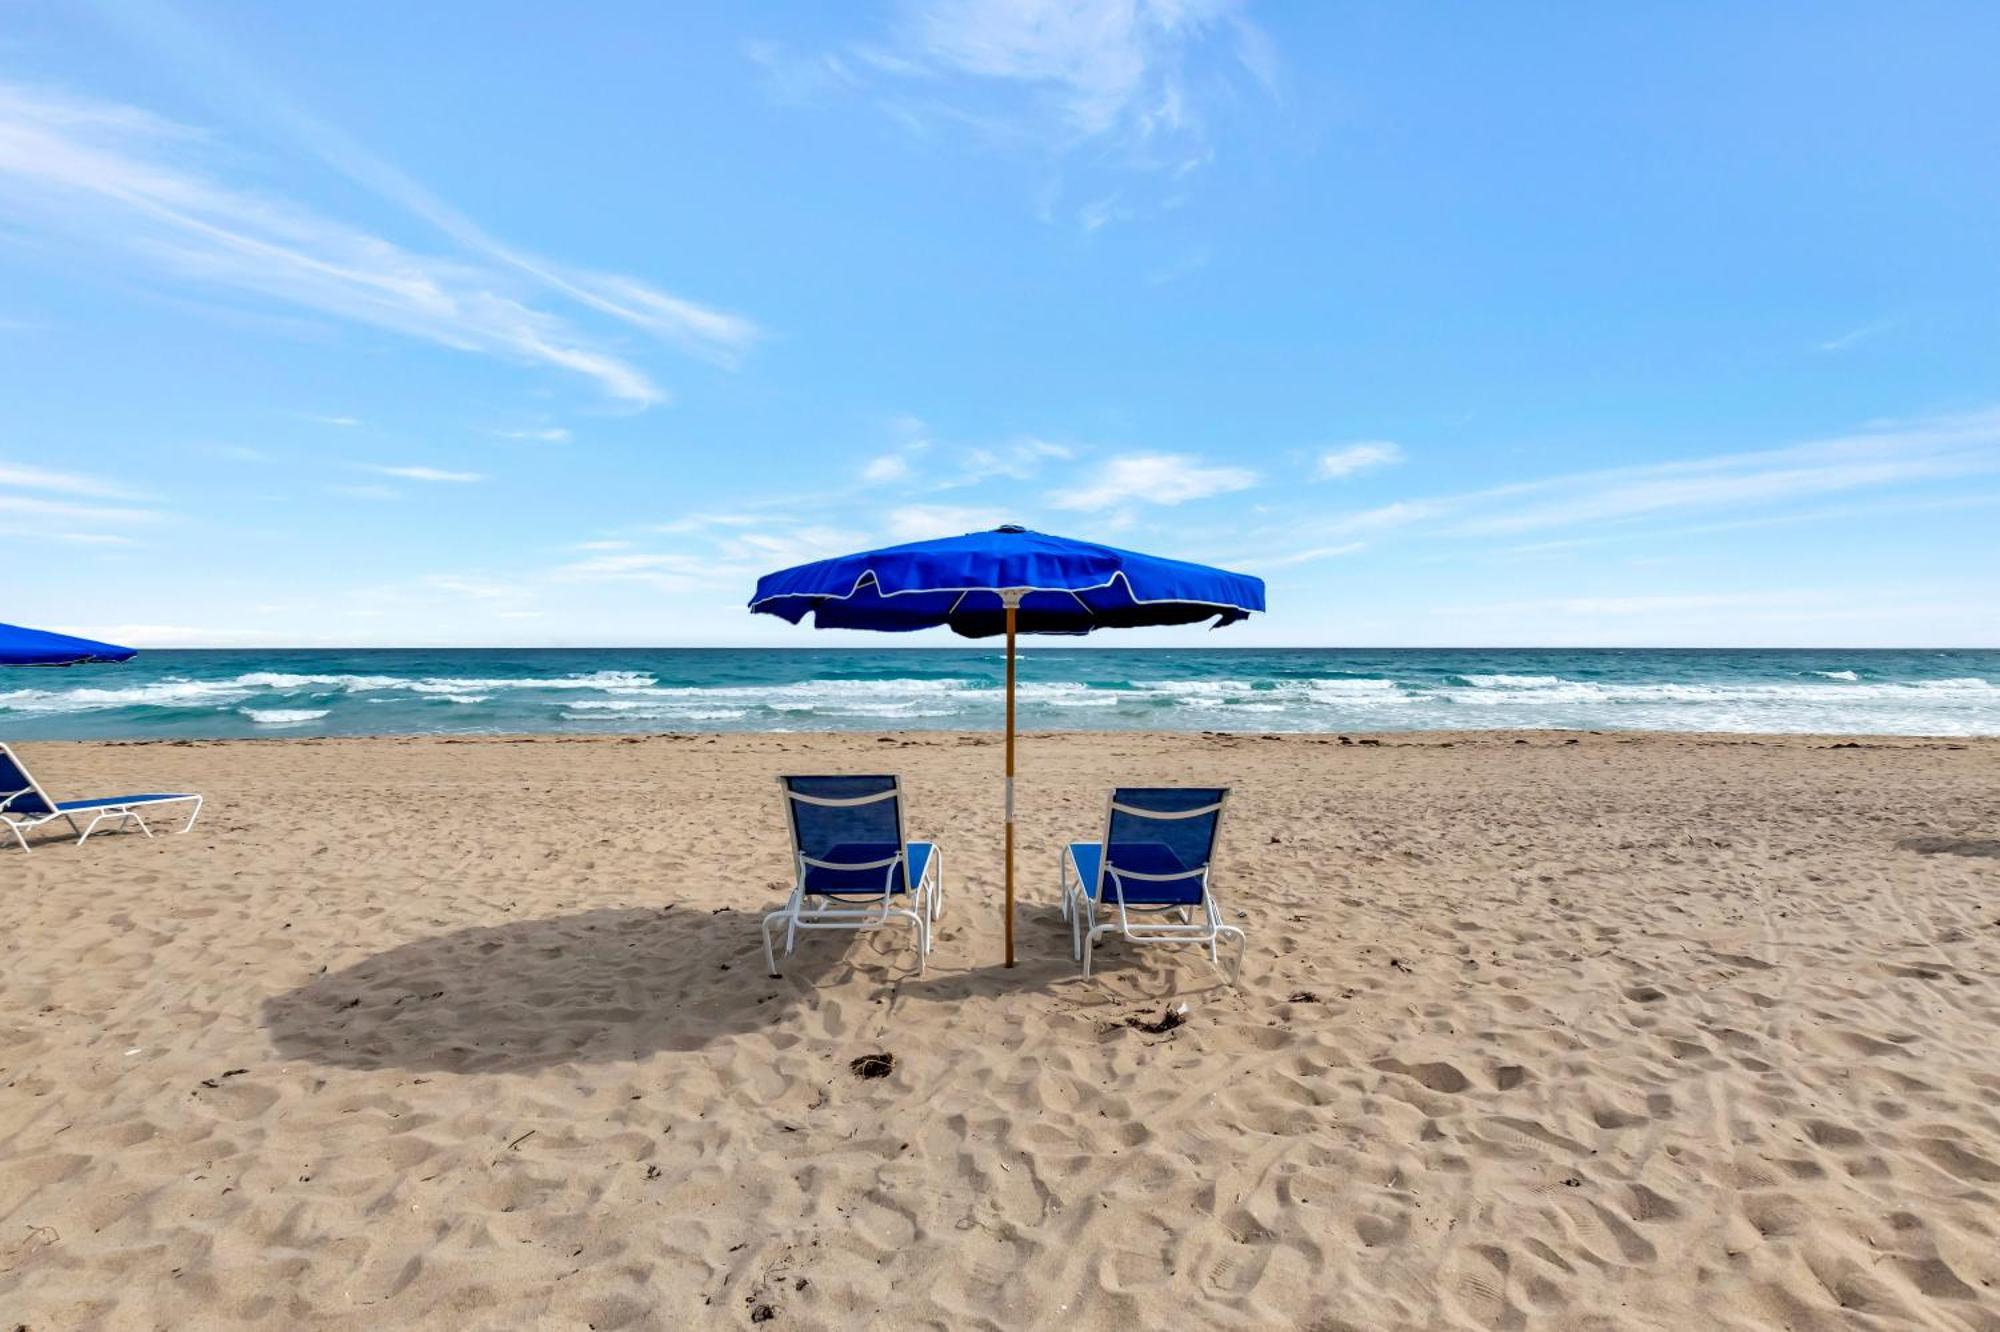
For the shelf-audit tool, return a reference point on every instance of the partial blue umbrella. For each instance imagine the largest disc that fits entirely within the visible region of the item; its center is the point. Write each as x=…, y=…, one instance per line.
x=1008, y=581
x=21, y=646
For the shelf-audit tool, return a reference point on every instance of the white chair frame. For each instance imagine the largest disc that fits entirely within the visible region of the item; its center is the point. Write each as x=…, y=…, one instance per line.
x=1080, y=907
x=127, y=814
x=816, y=911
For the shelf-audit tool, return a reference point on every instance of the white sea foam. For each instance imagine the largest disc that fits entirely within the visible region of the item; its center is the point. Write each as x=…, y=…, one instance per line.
x=1619, y=693
x=159, y=694
x=283, y=716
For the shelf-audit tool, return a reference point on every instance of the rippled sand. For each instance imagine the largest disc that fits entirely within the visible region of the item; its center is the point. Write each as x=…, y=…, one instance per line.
x=1549, y=1031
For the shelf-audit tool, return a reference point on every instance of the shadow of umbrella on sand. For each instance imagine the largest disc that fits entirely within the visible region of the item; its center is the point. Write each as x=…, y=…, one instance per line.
x=612, y=985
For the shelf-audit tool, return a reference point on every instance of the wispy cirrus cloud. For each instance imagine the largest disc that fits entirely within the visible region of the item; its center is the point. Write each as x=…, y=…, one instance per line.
x=120, y=180
x=1886, y=456
x=29, y=477
x=1345, y=460
x=43, y=501
x=416, y=472
x=922, y=463
x=1854, y=337
x=1293, y=559
x=1152, y=478
x=921, y=522
x=886, y=467
x=1110, y=87
x=1124, y=71
x=727, y=559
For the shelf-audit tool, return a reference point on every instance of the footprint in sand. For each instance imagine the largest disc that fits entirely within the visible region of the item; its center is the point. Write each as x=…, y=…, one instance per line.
x=1439, y=1076
x=1986, y=847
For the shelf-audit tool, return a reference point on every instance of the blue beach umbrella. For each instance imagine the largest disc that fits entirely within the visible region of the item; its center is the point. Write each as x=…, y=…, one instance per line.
x=1008, y=581
x=21, y=646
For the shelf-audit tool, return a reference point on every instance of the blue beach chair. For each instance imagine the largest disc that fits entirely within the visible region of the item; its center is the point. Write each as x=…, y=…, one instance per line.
x=1155, y=861
x=854, y=870
x=24, y=805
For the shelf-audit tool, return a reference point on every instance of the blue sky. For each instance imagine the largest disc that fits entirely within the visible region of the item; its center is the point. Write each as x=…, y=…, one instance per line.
x=1461, y=324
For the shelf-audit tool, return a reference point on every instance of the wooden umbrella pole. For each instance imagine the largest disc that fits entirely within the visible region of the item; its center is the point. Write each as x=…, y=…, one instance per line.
x=1013, y=602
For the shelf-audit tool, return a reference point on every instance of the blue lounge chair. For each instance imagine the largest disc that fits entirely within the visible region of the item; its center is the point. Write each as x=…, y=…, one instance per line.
x=1155, y=860
x=24, y=805
x=854, y=868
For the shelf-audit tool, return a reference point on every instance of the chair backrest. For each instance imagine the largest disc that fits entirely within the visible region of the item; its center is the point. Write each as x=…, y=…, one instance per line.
x=830, y=812
x=1184, y=819
x=20, y=793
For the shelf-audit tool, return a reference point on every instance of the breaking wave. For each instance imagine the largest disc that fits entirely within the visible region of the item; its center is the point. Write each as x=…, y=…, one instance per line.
x=369, y=692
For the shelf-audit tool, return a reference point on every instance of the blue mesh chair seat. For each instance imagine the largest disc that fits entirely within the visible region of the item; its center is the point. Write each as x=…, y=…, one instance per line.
x=1155, y=859
x=823, y=880
x=1148, y=858
x=852, y=867
x=24, y=805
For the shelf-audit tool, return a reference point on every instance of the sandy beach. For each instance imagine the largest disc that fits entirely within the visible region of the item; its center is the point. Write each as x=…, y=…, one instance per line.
x=1539, y=1030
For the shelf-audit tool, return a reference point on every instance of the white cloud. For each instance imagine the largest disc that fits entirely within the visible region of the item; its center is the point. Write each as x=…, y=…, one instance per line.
x=1399, y=514
x=701, y=522
x=1099, y=68
x=1298, y=557
x=1616, y=606
x=1889, y=455
x=537, y=434
x=419, y=473
x=29, y=477
x=34, y=506
x=63, y=503
x=1854, y=337
x=234, y=452
x=473, y=589
x=175, y=635
x=921, y=522
x=1017, y=460
x=1106, y=86
x=345, y=422
x=1153, y=478
x=724, y=559
x=119, y=179
x=95, y=539
x=885, y=468
x=1933, y=451
x=1347, y=459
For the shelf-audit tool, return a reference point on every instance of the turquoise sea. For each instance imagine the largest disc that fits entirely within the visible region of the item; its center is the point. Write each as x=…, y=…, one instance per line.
x=376, y=691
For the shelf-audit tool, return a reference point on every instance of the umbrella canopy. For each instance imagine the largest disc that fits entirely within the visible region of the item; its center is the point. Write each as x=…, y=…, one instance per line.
x=1065, y=587
x=1006, y=581
x=21, y=646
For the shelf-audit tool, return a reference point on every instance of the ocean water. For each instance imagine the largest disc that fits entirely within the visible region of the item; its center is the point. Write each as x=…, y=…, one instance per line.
x=376, y=692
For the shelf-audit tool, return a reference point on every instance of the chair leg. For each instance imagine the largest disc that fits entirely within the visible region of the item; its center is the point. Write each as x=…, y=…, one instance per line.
x=19, y=836
x=764, y=931
x=1242, y=946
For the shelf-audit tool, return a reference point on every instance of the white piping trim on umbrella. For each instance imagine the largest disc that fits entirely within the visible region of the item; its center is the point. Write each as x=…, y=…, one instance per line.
x=1117, y=576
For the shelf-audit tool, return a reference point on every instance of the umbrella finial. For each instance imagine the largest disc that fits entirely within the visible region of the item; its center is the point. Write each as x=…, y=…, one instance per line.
x=1010, y=527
